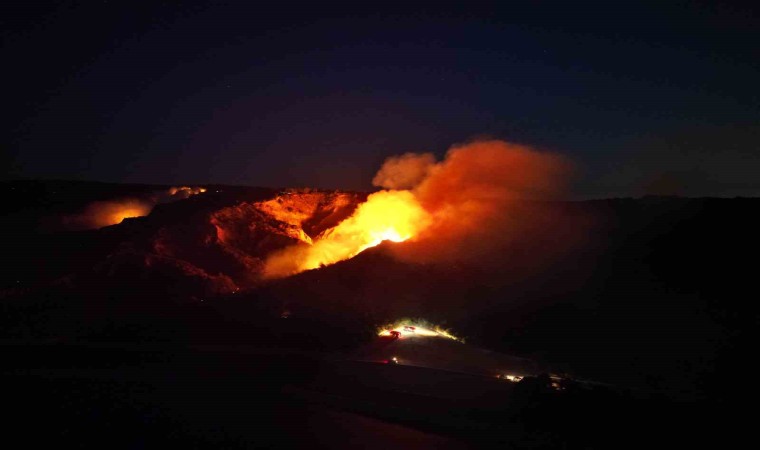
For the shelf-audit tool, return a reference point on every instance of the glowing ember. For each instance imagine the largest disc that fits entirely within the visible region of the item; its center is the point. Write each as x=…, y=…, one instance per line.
x=407, y=329
x=386, y=216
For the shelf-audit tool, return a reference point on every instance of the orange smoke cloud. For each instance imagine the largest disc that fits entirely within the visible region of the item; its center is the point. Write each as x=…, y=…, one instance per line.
x=404, y=171
x=476, y=196
x=461, y=207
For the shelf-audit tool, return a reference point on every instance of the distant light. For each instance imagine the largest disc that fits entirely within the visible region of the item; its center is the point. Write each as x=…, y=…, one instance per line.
x=406, y=329
x=510, y=377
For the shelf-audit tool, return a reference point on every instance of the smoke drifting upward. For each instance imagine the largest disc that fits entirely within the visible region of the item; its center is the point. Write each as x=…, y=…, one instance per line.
x=461, y=208
x=477, y=198
x=111, y=212
x=404, y=171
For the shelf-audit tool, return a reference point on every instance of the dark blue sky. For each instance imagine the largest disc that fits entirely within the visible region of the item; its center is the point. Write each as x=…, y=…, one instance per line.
x=647, y=97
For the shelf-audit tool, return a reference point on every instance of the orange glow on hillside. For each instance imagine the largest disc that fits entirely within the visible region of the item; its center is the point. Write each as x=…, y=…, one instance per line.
x=105, y=213
x=128, y=212
x=386, y=216
x=295, y=209
x=112, y=212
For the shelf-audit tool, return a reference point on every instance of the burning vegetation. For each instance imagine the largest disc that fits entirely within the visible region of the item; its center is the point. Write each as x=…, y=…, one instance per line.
x=448, y=210
x=458, y=210
x=385, y=216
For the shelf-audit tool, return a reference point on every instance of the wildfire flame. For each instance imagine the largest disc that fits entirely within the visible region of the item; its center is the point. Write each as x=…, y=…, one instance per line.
x=456, y=208
x=386, y=216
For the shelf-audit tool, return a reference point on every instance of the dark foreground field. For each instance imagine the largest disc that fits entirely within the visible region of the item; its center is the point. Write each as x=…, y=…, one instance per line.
x=105, y=397
x=146, y=397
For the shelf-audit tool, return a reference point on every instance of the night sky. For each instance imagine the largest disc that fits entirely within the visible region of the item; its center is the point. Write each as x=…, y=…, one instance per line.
x=647, y=98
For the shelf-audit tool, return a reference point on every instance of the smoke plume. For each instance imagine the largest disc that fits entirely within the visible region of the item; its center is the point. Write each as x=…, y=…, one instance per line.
x=477, y=198
x=404, y=171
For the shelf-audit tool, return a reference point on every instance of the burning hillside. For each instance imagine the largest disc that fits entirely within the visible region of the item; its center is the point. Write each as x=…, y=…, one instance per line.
x=461, y=209
x=639, y=289
x=385, y=216
x=235, y=239
x=451, y=208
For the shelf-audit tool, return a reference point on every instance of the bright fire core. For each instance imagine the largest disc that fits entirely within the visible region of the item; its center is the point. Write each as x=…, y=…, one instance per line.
x=386, y=216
